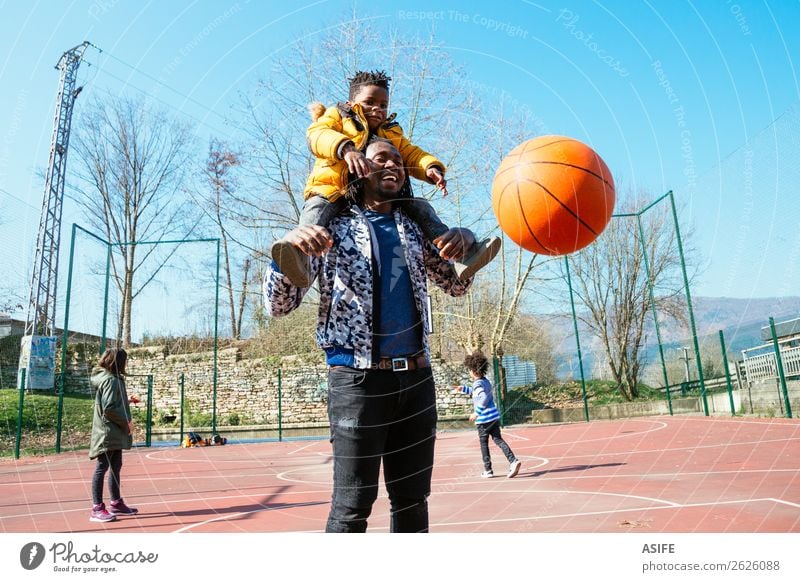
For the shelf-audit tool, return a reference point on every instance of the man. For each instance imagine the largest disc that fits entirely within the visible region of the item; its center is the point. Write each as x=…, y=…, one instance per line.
x=373, y=326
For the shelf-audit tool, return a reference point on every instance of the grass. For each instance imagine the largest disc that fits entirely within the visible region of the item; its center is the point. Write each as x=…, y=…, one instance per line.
x=40, y=421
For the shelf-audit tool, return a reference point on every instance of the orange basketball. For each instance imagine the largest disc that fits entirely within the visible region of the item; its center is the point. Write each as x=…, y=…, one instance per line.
x=553, y=195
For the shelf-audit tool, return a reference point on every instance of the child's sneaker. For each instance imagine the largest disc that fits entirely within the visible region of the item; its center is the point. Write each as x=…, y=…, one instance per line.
x=118, y=507
x=514, y=468
x=100, y=514
x=487, y=475
x=480, y=255
x=293, y=263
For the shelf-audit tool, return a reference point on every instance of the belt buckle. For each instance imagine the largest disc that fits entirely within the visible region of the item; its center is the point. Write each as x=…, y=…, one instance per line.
x=399, y=364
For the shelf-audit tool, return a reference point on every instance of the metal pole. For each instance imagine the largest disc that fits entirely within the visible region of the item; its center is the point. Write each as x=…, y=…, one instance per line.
x=216, y=326
x=689, y=304
x=182, y=388
x=498, y=382
x=781, y=375
x=727, y=372
x=578, y=341
x=105, y=299
x=685, y=360
x=655, y=313
x=148, y=434
x=63, y=375
x=280, y=410
x=19, y=412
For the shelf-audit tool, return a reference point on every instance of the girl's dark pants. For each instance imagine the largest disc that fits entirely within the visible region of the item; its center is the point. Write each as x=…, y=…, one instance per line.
x=105, y=461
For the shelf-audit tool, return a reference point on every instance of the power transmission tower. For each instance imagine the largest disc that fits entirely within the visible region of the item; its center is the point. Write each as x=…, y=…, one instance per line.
x=41, y=320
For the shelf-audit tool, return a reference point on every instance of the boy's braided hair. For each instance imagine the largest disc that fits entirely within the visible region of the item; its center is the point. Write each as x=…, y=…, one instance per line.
x=362, y=78
x=477, y=362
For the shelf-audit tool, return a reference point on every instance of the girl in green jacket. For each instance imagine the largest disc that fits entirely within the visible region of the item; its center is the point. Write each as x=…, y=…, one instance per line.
x=111, y=433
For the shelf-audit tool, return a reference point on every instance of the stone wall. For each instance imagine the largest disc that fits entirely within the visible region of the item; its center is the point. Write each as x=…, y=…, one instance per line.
x=247, y=388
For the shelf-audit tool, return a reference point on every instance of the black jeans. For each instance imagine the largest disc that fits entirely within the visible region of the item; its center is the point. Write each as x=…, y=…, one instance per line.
x=381, y=415
x=492, y=429
x=105, y=461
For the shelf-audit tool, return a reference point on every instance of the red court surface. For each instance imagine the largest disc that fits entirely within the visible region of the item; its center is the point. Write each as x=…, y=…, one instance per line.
x=684, y=474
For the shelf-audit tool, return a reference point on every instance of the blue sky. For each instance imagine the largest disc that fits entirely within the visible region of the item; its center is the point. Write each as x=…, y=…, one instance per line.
x=680, y=96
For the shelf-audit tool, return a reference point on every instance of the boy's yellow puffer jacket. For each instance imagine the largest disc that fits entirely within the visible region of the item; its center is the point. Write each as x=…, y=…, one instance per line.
x=340, y=123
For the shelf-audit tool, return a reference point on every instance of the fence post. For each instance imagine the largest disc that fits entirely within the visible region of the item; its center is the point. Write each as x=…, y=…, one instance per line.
x=19, y=414
x=149, y=428
x=280, y=404
x=698, y=359
x=182, y=383
x=727, y=372
x=781, y=375
x=655, y=312
x=63, y=376
x=577, y=340
x=498, y=385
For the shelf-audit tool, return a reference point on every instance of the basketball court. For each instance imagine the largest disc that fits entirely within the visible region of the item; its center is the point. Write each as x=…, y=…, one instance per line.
x=657, y=474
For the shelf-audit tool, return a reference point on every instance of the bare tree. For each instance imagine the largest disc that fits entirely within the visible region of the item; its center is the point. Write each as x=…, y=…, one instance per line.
x=219, y=204
x=609, y=280
x=132, y=160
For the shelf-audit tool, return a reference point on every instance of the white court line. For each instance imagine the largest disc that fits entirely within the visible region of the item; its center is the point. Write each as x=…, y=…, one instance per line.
x=785, y=502
x=301, y=448
x=239, y=514
x=743, y=422
x=607, y=512
x=193, y=500
x=524, y=468
x=660, y=451
x=233, y=515
x=283, y=475
x=662, y=426
x=508, y=433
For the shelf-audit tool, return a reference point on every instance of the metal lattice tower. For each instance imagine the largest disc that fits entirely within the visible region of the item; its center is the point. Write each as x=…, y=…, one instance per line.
x=42, y=305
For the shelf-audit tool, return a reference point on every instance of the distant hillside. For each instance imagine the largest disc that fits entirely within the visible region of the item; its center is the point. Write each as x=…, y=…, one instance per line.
x=740, y=320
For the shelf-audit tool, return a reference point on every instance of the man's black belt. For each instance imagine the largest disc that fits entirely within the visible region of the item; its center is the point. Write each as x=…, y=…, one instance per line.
x=401, y=364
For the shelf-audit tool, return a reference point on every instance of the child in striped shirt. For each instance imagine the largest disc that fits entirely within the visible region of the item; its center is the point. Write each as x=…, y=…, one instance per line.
x=486, y=416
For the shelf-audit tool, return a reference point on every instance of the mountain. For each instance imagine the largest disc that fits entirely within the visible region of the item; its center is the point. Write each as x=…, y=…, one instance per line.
x=740, y=320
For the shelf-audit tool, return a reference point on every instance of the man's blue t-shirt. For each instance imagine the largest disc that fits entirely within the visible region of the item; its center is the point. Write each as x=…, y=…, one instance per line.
x=397, y=328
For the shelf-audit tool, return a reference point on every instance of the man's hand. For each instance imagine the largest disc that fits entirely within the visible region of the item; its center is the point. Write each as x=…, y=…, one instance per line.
x=457, y=390
x=454, y=243
x=310, y=238
x=472, y=417
x=435, y=175
x=130, y=427
x=356, y=161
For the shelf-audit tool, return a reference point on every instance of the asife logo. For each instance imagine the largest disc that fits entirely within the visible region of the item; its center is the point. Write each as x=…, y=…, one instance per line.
x=31, y=555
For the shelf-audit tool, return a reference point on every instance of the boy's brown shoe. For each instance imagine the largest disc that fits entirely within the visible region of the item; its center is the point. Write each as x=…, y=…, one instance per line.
x=293, y=263
x=479, y=255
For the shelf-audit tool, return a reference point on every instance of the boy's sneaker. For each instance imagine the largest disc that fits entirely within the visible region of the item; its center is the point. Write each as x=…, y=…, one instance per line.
x=293, y=263
x=118, y=507
x=100, y=514
x=487, y=475
x=480, y=255
x=514, y=468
